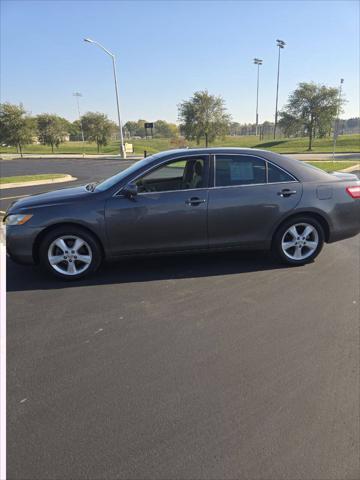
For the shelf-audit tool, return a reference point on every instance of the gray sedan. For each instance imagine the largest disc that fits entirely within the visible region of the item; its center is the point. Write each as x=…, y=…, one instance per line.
x=187, y=200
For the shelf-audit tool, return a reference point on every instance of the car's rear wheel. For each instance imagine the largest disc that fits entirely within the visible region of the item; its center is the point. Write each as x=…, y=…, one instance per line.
x=299, y=240
x=70, y=253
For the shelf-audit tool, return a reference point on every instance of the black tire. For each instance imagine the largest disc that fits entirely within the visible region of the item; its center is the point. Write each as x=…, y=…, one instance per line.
x=277, y=247
x=91, y=246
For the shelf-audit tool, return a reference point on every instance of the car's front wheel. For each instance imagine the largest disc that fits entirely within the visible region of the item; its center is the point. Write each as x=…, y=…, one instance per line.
x=299, y=241
x=70, y=253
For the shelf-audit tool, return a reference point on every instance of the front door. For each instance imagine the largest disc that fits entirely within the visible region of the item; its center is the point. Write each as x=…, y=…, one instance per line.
x=168, y=213
x=249, y=198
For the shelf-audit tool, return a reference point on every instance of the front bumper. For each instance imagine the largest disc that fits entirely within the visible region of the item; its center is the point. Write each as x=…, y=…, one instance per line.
x=20, y=240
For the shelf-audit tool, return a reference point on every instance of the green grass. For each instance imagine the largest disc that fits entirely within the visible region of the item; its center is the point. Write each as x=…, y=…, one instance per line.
x=334, y=166
x=345, y=143
x=30, y=178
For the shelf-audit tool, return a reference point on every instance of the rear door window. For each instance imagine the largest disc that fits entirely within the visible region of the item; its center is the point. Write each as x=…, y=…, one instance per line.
x=232, y=170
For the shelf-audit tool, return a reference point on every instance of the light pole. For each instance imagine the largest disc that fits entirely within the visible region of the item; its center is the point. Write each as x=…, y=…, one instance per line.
x=257, y=62
x=337, y=118
x=122, y=148
x=281, y=44
x=77, y=95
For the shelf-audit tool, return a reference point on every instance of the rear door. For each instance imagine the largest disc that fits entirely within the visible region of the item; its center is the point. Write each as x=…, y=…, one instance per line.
x=168, y=213
x=249, y=196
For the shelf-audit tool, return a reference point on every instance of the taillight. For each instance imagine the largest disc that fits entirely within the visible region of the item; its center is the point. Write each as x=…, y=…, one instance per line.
x=354, y=191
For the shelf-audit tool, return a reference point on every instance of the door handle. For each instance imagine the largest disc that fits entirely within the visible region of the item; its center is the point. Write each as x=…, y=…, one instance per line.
x=193, y=201
x=286, y=192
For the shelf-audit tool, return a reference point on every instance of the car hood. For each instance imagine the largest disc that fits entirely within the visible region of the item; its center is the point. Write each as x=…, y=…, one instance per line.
x=50, y=198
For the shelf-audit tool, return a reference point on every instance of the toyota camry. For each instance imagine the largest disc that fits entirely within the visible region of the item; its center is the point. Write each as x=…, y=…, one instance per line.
x=187, y=200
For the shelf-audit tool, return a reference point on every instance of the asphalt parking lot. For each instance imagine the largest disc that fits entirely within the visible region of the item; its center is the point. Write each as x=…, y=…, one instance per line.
x=222, y=366
x=85, y=170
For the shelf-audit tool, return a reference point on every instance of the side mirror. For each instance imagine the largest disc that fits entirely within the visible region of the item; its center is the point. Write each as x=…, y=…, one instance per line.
x=130, y=190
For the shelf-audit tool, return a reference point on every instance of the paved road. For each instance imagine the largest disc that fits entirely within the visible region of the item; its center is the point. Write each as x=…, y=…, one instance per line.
x=216, y=366
x=85, y=170
x=221, y=366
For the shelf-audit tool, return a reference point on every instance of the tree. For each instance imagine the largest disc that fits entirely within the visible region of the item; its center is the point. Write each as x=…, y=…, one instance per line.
x=52, y=129
x=97, y=128
x=290, y=124
x=314, y=106
x=203, y=115
x=16, y=128
x=235, y=128
x=140, y=129
x=131, y=127
x=324, y=124
x=74, y=129
x=135, y=129
x=164, y=129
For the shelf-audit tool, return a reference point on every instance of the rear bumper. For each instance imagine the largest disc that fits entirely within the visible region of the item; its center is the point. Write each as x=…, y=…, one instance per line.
x=342, y=235
x=345, y=221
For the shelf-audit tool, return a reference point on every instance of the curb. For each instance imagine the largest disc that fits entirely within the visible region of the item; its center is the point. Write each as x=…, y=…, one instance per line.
x=351, y=169
x=66, y=156
x=65, y=178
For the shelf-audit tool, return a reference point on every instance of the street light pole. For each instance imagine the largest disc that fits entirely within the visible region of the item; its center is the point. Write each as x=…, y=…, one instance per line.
x=337, y=118
x=77, y=95
x=122, y=147
x=281, y=44
x=257, y=62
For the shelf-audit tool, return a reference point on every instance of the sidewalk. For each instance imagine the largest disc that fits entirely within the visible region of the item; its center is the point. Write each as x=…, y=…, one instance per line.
x=64, y=156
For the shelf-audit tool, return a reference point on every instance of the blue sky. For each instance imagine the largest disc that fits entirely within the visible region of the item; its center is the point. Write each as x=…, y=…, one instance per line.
x=166, y=50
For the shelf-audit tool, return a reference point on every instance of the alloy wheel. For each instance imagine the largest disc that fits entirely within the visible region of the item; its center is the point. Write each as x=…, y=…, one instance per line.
x=69, y=255
x=300, y=241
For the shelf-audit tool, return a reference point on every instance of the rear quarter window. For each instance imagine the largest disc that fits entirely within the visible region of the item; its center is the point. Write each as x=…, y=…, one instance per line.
x=276, y=175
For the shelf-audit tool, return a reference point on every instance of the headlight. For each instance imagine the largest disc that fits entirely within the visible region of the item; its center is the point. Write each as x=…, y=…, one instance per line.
x=19, y=219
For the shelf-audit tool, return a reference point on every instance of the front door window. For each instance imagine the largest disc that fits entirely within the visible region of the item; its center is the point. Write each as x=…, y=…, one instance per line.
x=181, y=174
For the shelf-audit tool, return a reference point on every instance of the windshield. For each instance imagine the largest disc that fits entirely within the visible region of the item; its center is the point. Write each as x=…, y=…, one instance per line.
x=118, y=177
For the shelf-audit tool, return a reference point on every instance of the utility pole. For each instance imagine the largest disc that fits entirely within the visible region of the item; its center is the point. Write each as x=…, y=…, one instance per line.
x=257, y=62
x=337, y=119
x=122, y=146
x=77, y=95
x=281, y=44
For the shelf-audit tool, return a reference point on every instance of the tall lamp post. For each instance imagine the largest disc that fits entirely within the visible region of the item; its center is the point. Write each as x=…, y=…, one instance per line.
x=78, y=95
x=281, y=44
x=122, y=147
x=336, y=126
x=257, y=62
